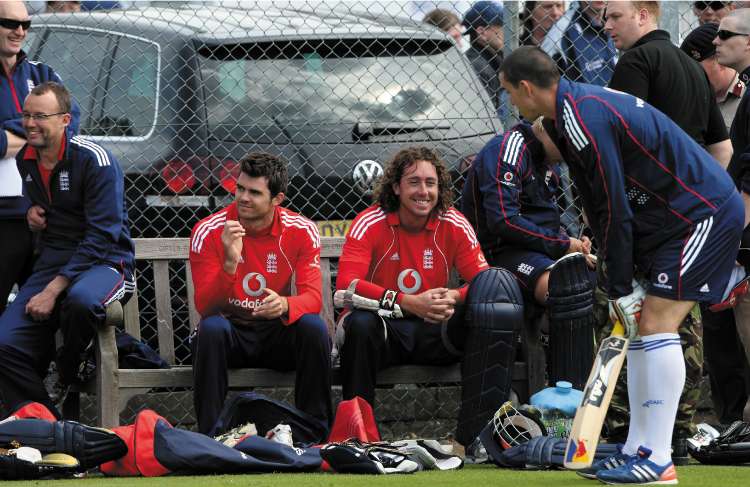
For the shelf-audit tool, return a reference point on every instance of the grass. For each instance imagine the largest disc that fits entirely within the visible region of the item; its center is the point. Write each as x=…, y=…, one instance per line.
x=471, y=476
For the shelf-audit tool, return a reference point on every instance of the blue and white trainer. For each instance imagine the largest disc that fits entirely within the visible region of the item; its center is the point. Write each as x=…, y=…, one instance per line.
x=640, y=470
x=609, y=463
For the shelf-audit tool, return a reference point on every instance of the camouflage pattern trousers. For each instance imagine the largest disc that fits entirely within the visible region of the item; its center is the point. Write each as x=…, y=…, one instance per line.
x=691, y=337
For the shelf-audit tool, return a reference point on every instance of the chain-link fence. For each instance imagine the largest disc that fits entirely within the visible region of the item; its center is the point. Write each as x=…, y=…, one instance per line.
x=180, y=91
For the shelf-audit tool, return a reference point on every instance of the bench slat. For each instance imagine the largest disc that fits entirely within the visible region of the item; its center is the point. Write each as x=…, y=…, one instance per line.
x=179, y=248
x=192, y=312
x=182, y=376
x=161, y=248
x=164, y=310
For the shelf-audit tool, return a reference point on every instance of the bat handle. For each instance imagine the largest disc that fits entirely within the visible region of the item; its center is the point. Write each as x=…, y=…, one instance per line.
x=618, y=329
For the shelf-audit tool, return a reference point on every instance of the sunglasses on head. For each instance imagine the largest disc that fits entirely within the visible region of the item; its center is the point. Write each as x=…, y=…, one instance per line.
x=705, y=5
x=728, y=34
x=13, y=24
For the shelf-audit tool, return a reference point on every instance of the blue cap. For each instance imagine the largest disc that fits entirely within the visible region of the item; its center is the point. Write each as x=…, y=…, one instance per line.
x=482, y=14
x=100, y=5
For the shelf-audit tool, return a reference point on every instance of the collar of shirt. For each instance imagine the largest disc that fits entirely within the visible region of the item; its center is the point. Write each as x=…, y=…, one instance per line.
x=654, y=35
x=393, y=220
x=745, y=76
x=275, y=226
x=586, y=24
x=30, y=153
x=533, y=145
x=20, y=57
x=736, y=90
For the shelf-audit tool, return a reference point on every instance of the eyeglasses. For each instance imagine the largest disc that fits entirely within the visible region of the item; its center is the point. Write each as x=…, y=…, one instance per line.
x=13, y=24
x=728, y=34
x=40, y=116
x=712, y=5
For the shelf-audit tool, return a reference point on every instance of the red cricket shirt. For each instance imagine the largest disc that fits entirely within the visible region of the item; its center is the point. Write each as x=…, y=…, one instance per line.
x=378, y=250
x=290, y=246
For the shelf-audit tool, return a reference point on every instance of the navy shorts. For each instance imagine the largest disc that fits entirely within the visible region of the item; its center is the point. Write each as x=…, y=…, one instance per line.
x=697, y=267
x=526, y=265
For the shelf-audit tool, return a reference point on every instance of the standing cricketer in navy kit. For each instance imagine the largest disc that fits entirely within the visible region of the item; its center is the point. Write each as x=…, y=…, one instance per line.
x=659, y=205
x=86, y=255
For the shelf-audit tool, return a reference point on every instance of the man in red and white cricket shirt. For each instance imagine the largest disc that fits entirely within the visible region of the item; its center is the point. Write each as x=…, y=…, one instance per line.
x=243, y=259
x=393, y=277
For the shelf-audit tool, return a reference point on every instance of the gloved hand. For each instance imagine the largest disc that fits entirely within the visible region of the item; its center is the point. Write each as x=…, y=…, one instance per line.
x=627, y=309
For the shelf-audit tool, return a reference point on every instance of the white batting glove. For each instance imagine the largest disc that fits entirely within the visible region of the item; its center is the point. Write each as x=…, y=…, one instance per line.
x=627, y=309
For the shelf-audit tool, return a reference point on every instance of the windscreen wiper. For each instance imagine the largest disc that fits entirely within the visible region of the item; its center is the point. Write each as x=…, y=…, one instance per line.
x=362, y=131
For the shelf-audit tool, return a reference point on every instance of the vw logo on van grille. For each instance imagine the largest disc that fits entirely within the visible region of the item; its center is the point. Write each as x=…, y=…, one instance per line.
x=365, y=174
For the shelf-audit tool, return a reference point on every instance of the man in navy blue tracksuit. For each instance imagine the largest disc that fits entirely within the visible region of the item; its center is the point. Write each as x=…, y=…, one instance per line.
x=18, y=77
x=510, y=198
x=659, y=205
x=86, y=255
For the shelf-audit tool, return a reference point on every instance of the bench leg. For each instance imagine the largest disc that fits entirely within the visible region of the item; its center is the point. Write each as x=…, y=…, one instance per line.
x=533, y=352
x=107, y=378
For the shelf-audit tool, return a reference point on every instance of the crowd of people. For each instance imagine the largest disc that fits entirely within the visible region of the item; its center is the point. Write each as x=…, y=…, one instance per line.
x=655, y=138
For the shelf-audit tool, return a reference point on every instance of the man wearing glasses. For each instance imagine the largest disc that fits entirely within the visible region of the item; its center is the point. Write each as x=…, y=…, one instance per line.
x=86, y=256
x=18, y=77
x=732, y=43
x=711, y=11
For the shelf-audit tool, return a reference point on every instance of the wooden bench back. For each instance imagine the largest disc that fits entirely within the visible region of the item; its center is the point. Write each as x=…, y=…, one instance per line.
x=160, y=251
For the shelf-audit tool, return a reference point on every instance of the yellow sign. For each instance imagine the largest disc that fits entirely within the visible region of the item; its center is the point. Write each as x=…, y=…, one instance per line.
x=333, y=228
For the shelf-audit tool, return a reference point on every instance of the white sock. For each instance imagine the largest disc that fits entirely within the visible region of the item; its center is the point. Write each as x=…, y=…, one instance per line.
x=636, y=396
x=666, y=377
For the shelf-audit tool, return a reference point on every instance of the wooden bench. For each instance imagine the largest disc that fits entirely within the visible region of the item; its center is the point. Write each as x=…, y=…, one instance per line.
x=113, y=384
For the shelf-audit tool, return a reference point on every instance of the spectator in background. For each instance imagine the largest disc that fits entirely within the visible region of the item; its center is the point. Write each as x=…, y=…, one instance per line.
x=723, y=353
x=579, y=45
x=100, y=5
x=446, y=21
x=484, y=24
x=712, y=12
x=61, y=7
x=731, y=50
x=725, y=81
x=20, y=77
x=537, y=19
x=658, y=72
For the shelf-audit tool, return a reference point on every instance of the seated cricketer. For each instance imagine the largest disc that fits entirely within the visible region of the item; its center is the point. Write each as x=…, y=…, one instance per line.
x=510, y=197
x=86, y=256
x=393, y=280
x=243, y=259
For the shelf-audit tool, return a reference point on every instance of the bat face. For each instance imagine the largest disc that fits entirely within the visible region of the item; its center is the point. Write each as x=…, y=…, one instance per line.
x=610, y=350
x=587, y=425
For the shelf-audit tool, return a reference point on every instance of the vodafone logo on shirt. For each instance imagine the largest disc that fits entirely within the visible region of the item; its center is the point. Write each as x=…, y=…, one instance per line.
x=253, y=284
x=409, y=281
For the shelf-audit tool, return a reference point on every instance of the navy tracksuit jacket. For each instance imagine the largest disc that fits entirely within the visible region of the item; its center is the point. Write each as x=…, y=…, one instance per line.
x=511, y=200
x=87, y=240
x=643, y=181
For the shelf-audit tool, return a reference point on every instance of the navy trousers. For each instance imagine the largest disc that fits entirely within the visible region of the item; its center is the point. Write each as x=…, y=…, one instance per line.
x=366, y=349
x=28, y=346
x=304, y=346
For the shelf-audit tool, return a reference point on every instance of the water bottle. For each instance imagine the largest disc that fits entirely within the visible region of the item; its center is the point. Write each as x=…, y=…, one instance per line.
x=558, y=407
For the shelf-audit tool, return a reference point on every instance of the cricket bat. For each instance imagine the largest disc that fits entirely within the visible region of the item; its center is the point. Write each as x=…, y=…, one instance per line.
x=587, y=425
